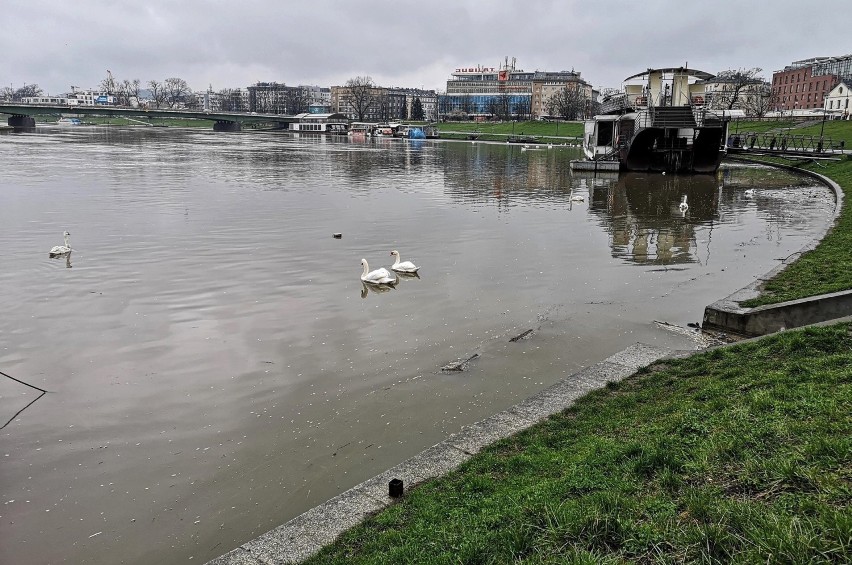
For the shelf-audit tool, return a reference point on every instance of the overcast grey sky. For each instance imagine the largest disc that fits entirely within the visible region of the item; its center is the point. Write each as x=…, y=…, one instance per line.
x=230, y=44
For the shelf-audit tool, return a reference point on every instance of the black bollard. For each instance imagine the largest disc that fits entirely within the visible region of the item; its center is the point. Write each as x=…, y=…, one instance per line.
x=395, y=488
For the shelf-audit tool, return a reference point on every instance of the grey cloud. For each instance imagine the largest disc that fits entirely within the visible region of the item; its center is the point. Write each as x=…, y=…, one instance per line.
x=402, y=42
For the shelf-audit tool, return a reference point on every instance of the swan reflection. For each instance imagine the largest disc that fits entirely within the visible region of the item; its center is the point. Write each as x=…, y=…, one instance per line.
x=377, y=288
x=66, y=256
x=400, y=275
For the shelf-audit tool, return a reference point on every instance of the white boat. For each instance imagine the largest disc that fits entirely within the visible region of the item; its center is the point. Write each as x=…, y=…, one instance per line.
x=69, y=122
x=658, y=122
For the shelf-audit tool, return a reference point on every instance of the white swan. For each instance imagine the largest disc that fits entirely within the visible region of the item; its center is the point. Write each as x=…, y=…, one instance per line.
x=403, y=266
x=58, y=250
x=578, y=198
x=683, y=206
x=379, y=276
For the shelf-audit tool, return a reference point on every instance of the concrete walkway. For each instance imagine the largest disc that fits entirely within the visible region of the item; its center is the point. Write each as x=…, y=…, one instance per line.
x=304, y=535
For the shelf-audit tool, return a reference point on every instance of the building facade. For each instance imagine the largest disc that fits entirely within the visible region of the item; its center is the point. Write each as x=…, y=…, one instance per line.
x=804, y=84
x=318, y=97
x=507, y=91
x=837, y=100
x=76, y=98
x=752, y=96
x=277, y=98
x=381, y=104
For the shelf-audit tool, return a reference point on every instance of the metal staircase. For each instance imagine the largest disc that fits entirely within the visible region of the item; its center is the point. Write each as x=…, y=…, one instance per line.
x=673, y=117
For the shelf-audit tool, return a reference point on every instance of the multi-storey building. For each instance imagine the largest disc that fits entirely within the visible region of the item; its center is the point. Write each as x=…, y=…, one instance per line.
x=507, y=91
x=805, y=84
x=318, y=97
x=276, y=98
x=381, y=104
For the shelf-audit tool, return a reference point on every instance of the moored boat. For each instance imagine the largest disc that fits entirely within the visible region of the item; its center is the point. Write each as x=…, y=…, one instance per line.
x=658, y=122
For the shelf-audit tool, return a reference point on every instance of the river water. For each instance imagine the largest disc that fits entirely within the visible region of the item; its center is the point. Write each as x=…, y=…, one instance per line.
x=215, y=366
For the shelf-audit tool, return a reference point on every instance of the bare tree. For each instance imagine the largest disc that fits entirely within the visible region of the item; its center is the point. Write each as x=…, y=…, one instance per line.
x=176, y=91
x=383, y=107
x=761, y=100
x=362, y=96
x=567, y=103
x=296, y=101
x=158, y=92
x=731, y=85
x=129, y=91
x=231, y=100
x=522, y=109
x=27, y=91
x=108, y=85
x=7, y=93
x=192, y=102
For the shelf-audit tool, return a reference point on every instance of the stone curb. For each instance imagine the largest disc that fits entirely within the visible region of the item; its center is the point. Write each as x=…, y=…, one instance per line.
x=727, y=314
x=306, y=534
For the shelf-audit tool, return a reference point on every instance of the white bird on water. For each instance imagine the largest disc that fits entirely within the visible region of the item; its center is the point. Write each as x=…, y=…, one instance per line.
x=379, y=276
x=59, y=250
x=683, y=205
x=401, y=266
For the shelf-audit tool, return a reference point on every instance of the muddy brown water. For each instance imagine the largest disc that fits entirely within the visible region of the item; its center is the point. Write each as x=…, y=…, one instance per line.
x=215, y=365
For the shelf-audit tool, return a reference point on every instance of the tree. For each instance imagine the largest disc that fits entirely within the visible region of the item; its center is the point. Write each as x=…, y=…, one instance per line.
x=567, y=103
x=231, y=100
x=383, y=107
x=7, y=93
x=27, y=91
x=130, y=89
x=158, y=92
x=108, y=85
x=296, y=101
x=362, y=96
x=176, y=91
x=417, y=110
x=761, y=100
x=730, y=85
x=522, y=109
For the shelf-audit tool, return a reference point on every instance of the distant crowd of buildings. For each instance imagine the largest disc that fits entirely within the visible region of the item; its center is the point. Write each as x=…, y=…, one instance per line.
x=507, y=92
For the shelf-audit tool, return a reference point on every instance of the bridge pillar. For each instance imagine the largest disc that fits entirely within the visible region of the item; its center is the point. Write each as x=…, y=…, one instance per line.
x=22, y=123
x=224, y=125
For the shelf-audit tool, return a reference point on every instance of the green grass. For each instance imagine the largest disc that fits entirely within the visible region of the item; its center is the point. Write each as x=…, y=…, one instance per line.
x=827, y=268
x=740, y=455
x=500, y=131
x=836, y=130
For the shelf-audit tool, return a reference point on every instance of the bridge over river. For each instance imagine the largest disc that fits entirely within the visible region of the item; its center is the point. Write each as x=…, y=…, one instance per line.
x=21, y=116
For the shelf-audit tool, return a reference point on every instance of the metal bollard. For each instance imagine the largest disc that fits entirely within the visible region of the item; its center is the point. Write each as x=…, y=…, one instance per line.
x=395, y=488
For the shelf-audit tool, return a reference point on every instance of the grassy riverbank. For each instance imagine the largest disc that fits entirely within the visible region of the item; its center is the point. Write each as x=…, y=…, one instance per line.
x=828, y=268
x=544, y=132
x=739, y=454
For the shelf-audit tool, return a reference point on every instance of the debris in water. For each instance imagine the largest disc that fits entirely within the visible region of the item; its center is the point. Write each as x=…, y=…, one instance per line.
x=337, y=235
x=521, y=336
x=458, y=366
